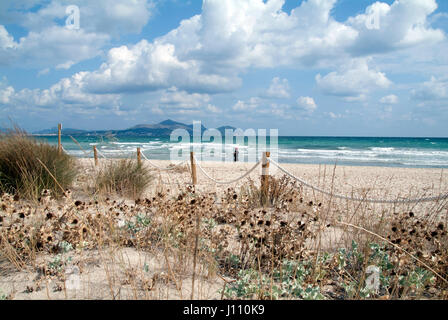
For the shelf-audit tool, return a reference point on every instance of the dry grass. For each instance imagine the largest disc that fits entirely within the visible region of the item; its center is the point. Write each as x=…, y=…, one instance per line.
x=22, y=173
x=293, y=245
x=280, y=192
x=125, y=177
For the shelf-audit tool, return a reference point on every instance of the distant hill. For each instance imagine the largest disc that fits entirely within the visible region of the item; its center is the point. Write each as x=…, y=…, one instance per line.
x=161, y=129
x=68, y=131
x=223, y=129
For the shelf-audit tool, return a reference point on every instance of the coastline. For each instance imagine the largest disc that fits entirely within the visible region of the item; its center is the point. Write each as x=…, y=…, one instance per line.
x=346, y=151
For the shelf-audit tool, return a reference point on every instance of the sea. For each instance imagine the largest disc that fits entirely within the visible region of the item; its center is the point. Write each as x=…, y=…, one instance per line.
x=346, y=151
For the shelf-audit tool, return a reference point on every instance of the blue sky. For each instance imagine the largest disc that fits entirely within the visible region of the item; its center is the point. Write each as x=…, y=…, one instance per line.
x=314, y=67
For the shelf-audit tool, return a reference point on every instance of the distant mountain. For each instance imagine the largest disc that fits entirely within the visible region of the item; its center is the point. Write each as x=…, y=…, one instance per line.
x=161, y=129
x=223, y=129
x=171, y=123
x=68, y=131
x=162, y=125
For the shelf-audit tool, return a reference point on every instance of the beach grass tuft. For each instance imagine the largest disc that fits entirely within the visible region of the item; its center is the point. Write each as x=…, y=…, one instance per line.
x=126, y=177
x=279, y=192
x=22, y=173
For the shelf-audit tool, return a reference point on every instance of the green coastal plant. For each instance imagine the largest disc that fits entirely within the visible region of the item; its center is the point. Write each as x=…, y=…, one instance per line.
x=61, y=260
x=139, y=223
x=288, y=281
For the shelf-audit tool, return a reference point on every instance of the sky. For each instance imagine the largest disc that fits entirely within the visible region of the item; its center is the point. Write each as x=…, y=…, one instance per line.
x=305, y=67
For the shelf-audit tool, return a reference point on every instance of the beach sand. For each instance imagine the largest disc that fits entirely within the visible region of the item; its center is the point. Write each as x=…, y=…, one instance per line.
x=359, y=181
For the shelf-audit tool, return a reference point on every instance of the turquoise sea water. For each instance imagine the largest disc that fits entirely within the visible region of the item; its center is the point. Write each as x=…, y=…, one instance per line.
x=391, y=152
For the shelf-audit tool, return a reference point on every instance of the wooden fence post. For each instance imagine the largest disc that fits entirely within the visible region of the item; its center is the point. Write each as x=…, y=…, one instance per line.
x=95, y=155
x=265, y=175
x=139, y=156
x=59, y=138
x=193, y=169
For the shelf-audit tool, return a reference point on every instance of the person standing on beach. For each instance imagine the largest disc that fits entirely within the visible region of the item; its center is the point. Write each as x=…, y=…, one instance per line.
x=235, y=155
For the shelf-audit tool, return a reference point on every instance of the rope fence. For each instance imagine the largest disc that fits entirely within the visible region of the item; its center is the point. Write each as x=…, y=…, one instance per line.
x=397, y=201
x=229, y=181
x=161, y=168
x=266, y=160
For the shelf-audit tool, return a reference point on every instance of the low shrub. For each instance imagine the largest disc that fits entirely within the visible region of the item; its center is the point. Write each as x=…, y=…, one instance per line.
x=126, y=177
x=280, y=192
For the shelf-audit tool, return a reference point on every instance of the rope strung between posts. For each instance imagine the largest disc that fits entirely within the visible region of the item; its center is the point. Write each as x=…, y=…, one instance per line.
x=122, y=153
x=85, y=152
x=160, y=168
x=230, y=181
x=426, y=199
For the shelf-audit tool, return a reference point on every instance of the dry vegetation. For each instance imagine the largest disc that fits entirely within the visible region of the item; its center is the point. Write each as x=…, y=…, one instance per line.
x=21, y=171
x=126, y=177
x=237, y=244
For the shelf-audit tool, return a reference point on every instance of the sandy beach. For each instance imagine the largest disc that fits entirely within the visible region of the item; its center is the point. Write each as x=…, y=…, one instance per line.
x=360, y=181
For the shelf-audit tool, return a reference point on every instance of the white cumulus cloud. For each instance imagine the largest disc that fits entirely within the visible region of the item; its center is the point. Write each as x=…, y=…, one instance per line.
x=279, y=88
x=401, y=25
x=249, y=105
x=434, y=89
x=173, y=98
x=390, y=99
x=100, y=16
x=50, y=44
x=208, y=52
x=307, y=103
x=353, y=81
x=67, y=94
x=57, y=46
x=150, y=67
